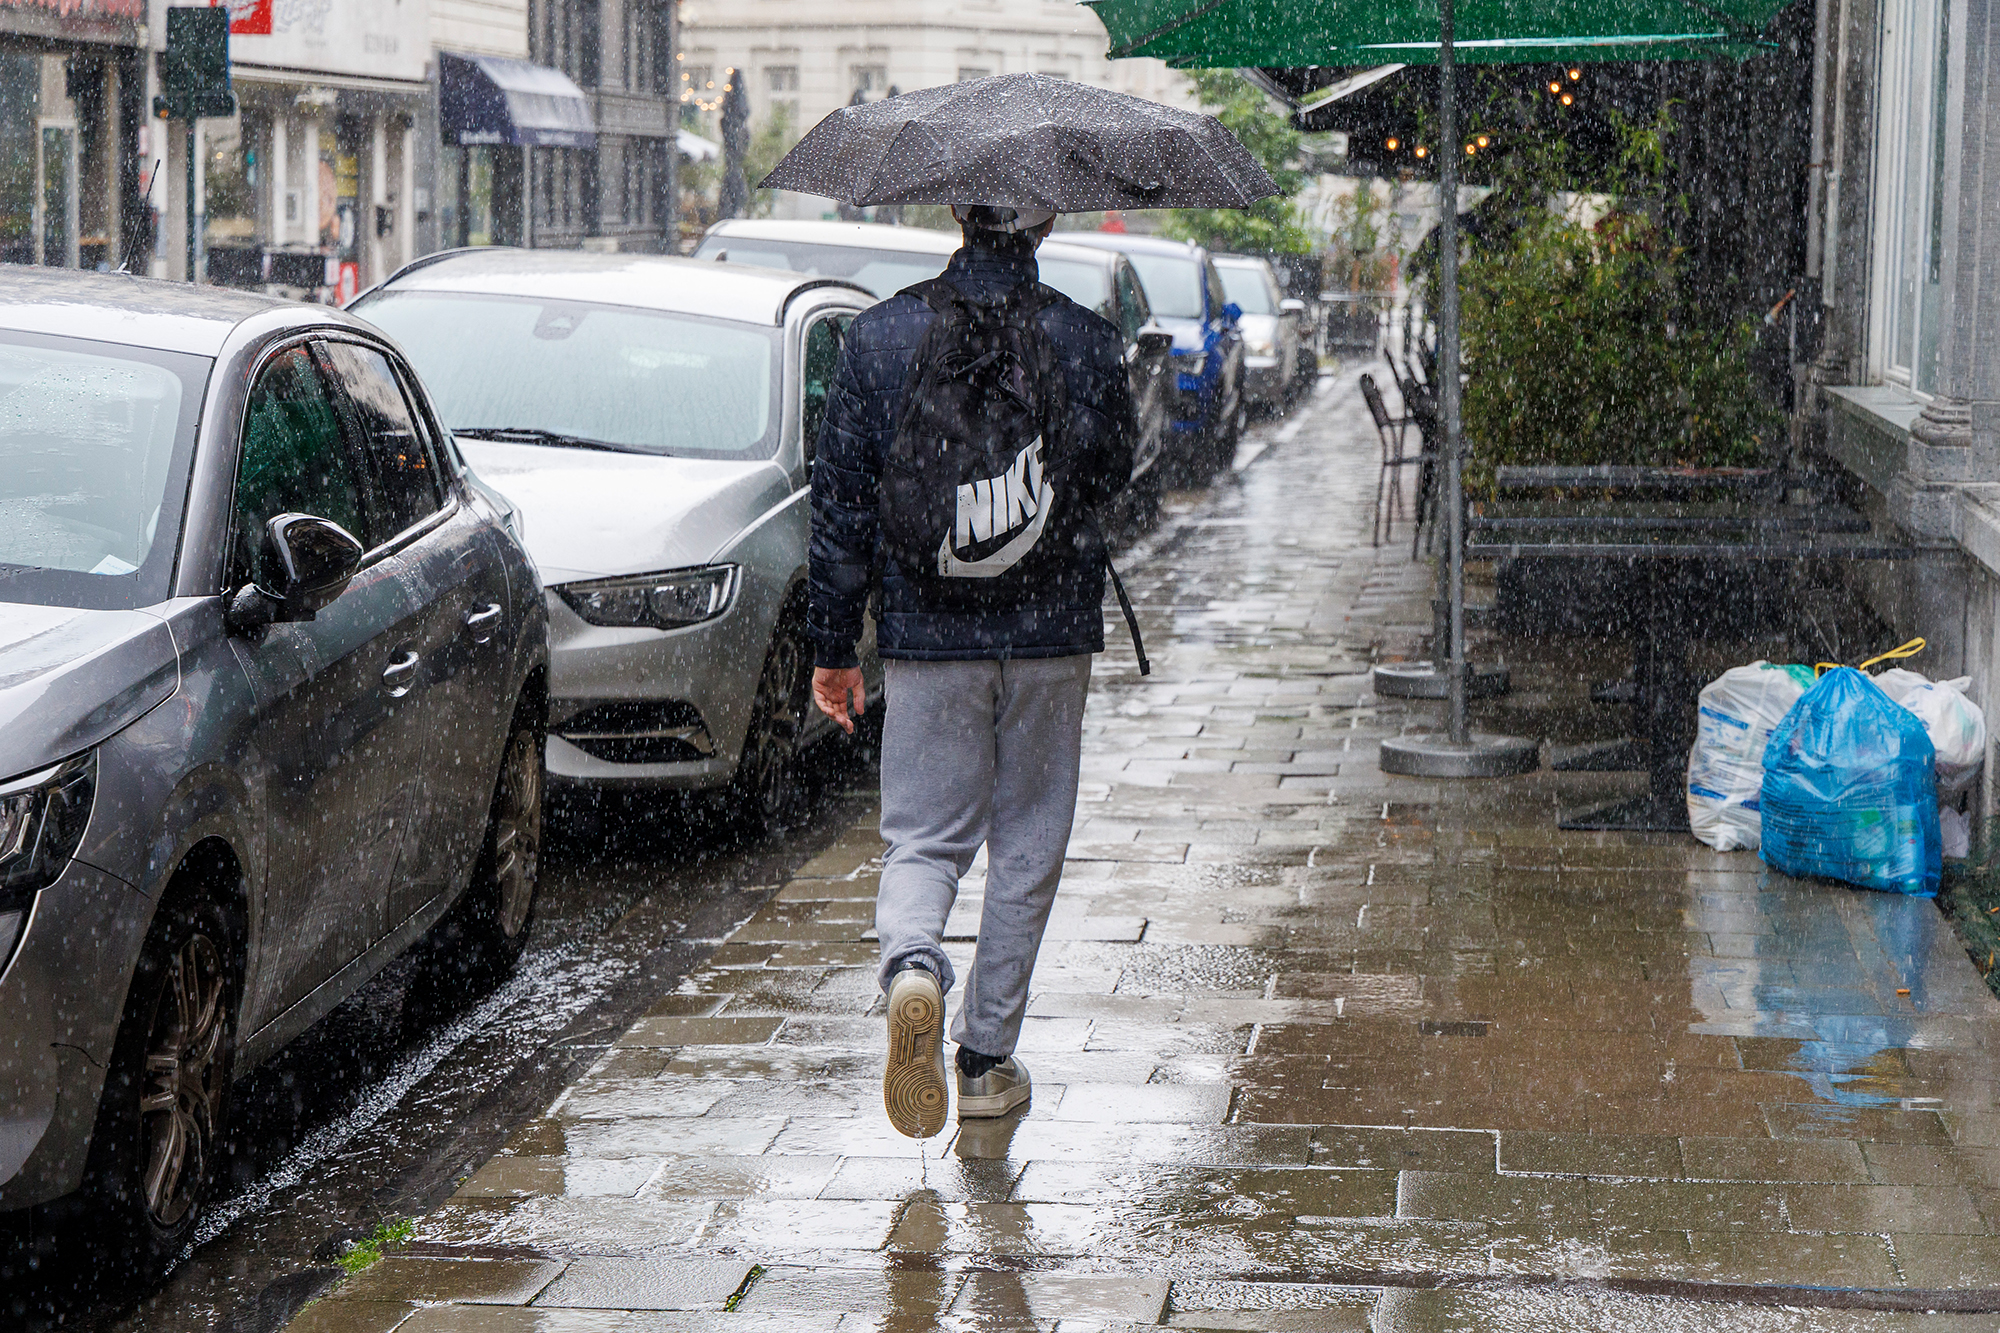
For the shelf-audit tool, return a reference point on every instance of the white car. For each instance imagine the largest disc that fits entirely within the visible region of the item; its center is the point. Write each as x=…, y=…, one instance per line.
x=887, y=259
x=1272, y=337
x=651, y=418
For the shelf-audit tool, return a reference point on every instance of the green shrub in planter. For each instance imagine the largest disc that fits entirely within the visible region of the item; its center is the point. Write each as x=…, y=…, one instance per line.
x=1575, y=357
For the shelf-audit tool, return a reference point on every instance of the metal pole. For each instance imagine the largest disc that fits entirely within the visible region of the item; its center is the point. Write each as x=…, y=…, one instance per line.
x=192, y=275
x=1448, y=151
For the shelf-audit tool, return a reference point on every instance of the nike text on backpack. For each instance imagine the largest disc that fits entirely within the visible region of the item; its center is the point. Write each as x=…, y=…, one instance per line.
x=978, y=482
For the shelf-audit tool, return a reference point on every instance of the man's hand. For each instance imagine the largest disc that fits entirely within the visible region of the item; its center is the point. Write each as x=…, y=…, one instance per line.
x=832, y=688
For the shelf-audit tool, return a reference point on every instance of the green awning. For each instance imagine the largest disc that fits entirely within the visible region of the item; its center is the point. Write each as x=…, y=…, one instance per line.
x=1375, y=32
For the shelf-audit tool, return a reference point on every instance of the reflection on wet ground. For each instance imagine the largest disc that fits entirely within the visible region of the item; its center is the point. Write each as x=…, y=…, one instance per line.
x=381, y=1109
x=1313, y=1048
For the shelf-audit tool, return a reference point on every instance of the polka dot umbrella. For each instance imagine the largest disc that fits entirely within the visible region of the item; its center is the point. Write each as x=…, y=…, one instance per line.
x=1023, y=141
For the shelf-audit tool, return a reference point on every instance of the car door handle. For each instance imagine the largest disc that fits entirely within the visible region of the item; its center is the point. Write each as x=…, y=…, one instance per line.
x=401, y=674
x=483, y=622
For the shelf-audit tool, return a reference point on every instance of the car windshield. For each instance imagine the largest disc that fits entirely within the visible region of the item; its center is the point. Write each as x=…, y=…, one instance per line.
x=1087, y=284
x=1173, y=284
x=883, y=272
x=94, y=444
x=562, y=372
x=1247, y=285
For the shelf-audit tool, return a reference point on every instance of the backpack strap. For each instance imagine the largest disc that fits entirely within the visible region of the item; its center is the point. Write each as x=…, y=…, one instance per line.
x=1124, y=602
x=1131, y=620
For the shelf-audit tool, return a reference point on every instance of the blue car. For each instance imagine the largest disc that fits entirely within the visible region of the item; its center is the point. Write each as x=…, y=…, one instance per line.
x=1188, y=301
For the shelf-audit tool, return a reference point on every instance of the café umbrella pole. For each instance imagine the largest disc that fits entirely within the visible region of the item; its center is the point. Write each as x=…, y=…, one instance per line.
x=1447, y=675
x=1461, y=753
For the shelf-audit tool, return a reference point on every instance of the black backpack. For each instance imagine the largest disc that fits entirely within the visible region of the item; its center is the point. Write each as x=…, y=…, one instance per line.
x=979, y=481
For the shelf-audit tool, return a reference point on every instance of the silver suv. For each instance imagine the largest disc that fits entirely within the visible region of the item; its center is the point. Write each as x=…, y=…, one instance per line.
x=272, y=698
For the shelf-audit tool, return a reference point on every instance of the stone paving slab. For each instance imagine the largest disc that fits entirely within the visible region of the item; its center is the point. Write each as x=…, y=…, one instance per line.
x=1314, y=1048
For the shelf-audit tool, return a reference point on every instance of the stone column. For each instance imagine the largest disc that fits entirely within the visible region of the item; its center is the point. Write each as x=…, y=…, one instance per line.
x=309, y=184
x=280, y=173
x=376, y=248
x=1960, y=427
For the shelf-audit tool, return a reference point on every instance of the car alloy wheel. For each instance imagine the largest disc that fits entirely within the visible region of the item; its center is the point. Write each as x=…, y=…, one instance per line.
x=765, y=772
x=180, y=1106
x=517, y=833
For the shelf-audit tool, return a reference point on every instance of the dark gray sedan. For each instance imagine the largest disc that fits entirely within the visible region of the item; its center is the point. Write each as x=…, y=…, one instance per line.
x=272, y=695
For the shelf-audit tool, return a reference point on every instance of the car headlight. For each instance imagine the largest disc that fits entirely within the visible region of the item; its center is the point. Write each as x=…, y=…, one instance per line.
x=42, y=818
x=673, y=599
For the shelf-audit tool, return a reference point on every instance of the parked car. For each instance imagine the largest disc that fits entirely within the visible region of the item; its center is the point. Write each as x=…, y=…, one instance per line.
x=652, y=417
x=887, y=259
x=1273, y=331
x=272, y=693
x=1188, y=300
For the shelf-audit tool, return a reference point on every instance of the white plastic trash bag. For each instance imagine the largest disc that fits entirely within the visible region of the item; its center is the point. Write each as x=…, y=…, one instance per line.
x=1726, y=765
x=1957, y=729
x=1897, y=682
x=1955, y=830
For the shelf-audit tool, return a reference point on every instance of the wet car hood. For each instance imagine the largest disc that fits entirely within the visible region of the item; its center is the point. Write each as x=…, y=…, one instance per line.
x=1189, y=336
x=70, y=679
x=588, y=514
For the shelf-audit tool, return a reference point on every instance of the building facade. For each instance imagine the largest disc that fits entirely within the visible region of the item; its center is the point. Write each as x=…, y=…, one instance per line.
x=1903, y=393
x=73, y=133
x=314, y=178
x=802, y=62
x=615, y=193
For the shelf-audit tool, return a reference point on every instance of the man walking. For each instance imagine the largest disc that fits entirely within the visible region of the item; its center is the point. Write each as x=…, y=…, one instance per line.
x=986, y=634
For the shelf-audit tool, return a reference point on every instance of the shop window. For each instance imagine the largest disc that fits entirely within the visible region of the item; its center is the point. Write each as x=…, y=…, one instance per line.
x=1909, y=193
x=781, y=86
x=231, y=167
x=870, y=81
x=967, y=73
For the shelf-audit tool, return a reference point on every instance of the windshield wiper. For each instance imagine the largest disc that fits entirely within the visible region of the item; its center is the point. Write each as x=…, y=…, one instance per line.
x=535, y=435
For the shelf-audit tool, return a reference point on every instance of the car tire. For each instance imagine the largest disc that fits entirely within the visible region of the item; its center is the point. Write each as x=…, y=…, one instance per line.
x=764, y=792
x=484, y=934
x=1224, y=436
x=157, y=1149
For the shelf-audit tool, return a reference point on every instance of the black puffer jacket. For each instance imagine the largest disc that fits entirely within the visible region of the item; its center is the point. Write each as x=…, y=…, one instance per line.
x=1058, y=615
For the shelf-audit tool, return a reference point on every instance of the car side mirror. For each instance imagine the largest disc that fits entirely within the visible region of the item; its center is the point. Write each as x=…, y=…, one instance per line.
x=1291, y=305
x=1233, y=311
x=315, y=559
x=1155, y=342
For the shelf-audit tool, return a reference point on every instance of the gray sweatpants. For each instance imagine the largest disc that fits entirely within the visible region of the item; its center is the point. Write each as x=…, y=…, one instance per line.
x=978, y=752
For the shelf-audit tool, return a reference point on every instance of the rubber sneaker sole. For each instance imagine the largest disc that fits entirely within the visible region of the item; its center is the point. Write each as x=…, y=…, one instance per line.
x=914, y=1092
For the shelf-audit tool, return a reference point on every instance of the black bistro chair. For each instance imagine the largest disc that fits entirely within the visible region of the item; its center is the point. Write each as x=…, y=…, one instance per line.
x=1421, y=404
x=1393, y=431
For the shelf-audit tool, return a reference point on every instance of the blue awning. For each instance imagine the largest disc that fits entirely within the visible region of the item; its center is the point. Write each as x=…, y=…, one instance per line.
x=493, y=100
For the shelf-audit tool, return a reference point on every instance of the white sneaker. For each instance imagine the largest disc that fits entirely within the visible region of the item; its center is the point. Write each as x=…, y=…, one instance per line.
x=913, y=1087
x=995, y=1092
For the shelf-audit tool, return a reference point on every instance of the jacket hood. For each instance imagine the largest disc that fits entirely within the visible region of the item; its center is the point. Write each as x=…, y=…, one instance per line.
x=587, y=514
x=71, y=679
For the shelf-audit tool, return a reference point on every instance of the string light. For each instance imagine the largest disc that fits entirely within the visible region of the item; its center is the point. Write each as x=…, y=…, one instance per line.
x=1567, y=100
x=1575, y=74
x=1423, y=151
x=1483, y=141
x=1393, y=144
x=1555, y=86
x=689, y=91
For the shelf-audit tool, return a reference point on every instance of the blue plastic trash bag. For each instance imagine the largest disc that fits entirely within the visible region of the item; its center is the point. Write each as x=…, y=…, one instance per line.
x=1850, y=790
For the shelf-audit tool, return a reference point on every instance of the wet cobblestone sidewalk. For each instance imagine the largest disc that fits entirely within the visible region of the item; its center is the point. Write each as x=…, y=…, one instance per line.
x=1313, y=1048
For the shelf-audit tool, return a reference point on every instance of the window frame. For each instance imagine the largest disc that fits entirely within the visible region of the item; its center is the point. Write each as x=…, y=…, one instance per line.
x=303, y=340
x=819, y=315
x=426, y=435
x=1914, y=58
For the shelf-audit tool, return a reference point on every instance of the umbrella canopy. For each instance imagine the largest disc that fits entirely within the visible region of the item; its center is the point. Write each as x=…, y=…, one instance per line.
x=1023, y=141
x=1261, y=32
